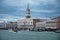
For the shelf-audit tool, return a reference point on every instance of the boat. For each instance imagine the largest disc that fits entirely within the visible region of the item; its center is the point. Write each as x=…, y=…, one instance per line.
x=57, y=31
x=15, y=30
x=10, y=30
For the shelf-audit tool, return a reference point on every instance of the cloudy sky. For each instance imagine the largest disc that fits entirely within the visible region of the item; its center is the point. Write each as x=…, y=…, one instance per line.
x=16, y=9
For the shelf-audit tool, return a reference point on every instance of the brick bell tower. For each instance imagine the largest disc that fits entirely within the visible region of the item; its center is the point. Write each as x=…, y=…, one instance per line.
x=28, y=12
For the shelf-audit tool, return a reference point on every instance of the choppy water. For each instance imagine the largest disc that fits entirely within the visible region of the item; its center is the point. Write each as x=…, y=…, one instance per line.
x=28, y=35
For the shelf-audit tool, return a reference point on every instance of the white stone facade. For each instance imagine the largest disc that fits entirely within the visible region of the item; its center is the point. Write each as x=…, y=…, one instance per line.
x=47, y=24
x=25, y=23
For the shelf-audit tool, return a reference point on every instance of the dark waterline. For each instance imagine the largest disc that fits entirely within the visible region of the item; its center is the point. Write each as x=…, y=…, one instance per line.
x=28, y=35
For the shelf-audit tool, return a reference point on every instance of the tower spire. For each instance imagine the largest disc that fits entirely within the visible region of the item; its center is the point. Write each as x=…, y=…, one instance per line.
x=28, y=6
x=27, y=12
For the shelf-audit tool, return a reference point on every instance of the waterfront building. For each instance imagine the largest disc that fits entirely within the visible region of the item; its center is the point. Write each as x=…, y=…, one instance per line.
x=2, y=24
x=41, y=24
x=11, y=24
x=28, y=22
x=51, y=24
x=57, y=21
x=25, y=23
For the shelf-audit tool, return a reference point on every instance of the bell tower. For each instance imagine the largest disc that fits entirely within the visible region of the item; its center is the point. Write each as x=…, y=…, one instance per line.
x=28, y=12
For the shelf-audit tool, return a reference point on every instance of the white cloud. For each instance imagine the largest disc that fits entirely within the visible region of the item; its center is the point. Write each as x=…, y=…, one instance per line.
x=40, y=18
x=11, y=18
x=19, y=2
x=47, y=1
x=11, y=2
x=48, y=11
x=4, y=15
x=35, y=10
x=8, y=17
x=31, y=2
x=23, y=3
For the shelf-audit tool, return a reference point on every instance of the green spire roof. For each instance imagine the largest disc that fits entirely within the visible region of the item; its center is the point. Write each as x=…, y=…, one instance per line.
x=28, y=7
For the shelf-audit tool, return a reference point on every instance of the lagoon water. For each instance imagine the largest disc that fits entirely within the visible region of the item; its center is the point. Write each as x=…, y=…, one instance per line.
x=28, y=35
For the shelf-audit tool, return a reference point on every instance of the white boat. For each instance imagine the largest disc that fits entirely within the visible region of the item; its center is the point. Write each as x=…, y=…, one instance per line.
x=13, y=30
x=10, y=30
